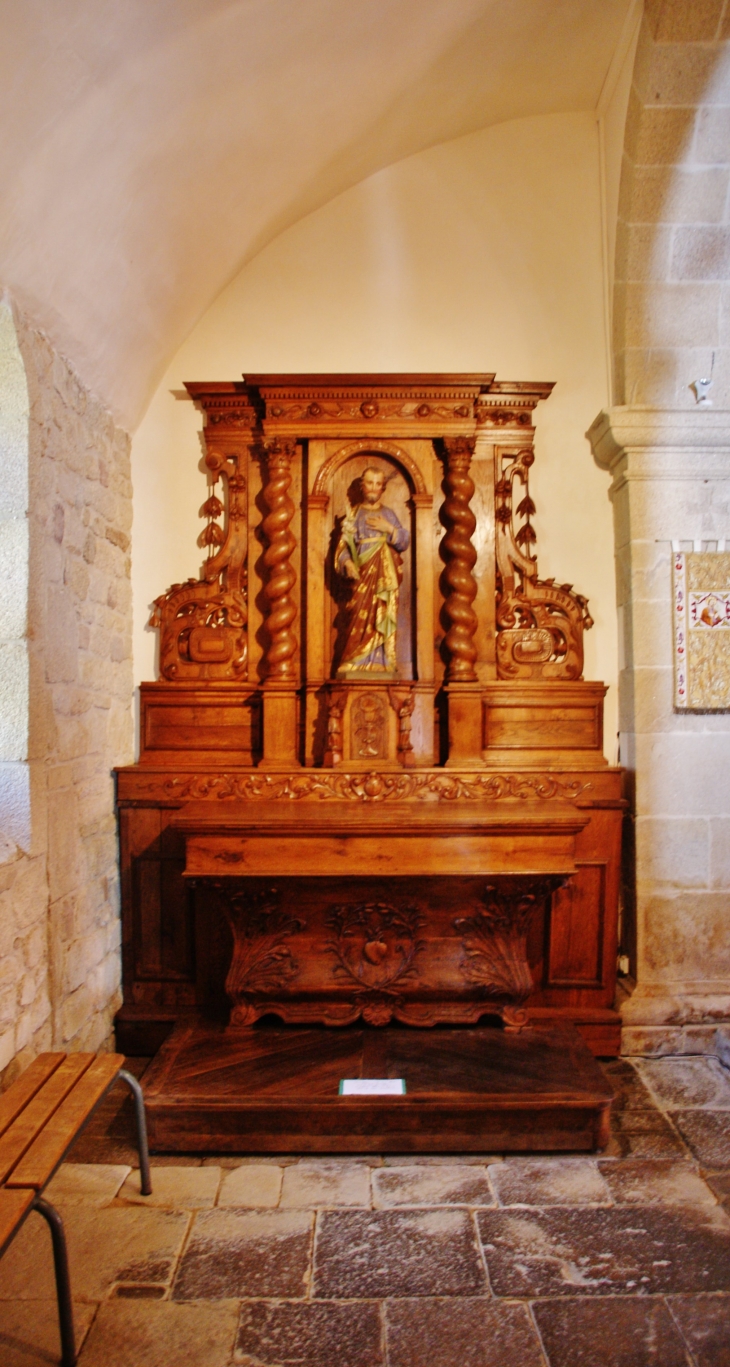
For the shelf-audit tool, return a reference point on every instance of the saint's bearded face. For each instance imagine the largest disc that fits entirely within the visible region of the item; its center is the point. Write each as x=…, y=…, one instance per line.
x=373, y=483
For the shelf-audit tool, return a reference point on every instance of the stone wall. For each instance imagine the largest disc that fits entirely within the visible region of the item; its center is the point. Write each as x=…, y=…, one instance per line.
x=670, y=462
x=671, y=296
x=59, y=893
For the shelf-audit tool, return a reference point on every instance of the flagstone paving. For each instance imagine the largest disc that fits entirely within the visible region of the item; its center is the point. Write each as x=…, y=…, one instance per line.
x=620, y=1259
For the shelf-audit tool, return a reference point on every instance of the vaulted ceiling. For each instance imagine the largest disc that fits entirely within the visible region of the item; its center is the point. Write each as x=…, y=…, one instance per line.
x=151, y=147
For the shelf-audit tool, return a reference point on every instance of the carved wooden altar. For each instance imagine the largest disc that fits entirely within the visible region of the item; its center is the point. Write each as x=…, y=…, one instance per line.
x=371, y=786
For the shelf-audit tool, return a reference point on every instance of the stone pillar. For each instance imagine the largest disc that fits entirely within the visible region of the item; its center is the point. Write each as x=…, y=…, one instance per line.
x=671, y=482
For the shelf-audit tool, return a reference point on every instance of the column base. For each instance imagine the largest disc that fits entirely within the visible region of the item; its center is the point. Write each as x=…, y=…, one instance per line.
x=464, y=708
x=675, y=1018
x=280, y=727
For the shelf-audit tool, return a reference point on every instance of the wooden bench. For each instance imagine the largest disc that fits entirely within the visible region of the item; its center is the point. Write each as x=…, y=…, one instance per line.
x=41, y=1115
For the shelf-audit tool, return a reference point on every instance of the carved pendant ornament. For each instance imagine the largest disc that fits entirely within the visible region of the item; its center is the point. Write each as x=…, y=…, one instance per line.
x=202, y=622
x=540, y=625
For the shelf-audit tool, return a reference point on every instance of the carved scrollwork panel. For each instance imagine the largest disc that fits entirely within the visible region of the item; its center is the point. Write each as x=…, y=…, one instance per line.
x=369, y=726
x=202, y=623
x=540, y=624
x=376, y=946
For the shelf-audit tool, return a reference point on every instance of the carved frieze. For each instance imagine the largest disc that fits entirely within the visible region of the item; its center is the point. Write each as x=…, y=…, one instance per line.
x=371, y=786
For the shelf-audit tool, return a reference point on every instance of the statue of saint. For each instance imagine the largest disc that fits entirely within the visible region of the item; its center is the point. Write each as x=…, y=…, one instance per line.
x=368, y=552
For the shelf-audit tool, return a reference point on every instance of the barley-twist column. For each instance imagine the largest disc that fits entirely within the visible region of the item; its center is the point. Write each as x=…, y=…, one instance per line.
x=460, y=556
x=280, y=655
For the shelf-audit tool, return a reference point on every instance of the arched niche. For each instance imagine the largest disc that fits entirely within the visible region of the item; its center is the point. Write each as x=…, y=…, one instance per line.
x=334, y=469
x=346, y=497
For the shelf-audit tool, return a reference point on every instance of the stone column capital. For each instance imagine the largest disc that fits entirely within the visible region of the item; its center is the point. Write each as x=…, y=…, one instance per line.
x=662, y=443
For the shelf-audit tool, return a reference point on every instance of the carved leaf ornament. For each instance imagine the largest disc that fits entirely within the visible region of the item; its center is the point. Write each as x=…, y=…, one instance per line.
x=494, y=941
x=262, y=958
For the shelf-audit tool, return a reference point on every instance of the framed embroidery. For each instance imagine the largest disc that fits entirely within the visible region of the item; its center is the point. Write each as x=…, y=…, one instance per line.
x=701, y=611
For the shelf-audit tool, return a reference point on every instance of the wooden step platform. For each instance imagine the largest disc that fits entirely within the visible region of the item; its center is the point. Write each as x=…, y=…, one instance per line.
x=272, y=1088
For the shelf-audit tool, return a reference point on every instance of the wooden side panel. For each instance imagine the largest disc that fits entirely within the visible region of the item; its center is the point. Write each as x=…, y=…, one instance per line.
x=191, y=727
x=573, y=956
x=157, y=915
x=206, y=723
x=530, y=728
x=577, y=921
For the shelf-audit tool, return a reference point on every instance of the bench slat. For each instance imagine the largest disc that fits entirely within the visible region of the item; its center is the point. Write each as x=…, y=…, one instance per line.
x=20, y=1135
x=13, y=1205
x=24, y=1089
x=41, y=1159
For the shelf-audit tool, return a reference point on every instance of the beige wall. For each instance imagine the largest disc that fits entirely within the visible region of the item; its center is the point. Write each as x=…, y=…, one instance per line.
x=484, y=253
x=59, y=894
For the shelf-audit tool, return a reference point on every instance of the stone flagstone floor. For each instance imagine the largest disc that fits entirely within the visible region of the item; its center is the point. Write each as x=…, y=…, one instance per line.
x=617, y=1260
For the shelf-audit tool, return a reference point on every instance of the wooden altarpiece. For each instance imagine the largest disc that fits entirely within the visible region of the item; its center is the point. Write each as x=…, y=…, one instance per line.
x=371, y=832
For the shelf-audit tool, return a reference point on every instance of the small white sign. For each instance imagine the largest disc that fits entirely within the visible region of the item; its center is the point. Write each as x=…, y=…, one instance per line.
x=372, y=1086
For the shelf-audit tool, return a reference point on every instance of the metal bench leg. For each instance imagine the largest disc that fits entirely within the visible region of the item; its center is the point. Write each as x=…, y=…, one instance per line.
x=63, y=1281
x=144, y=1153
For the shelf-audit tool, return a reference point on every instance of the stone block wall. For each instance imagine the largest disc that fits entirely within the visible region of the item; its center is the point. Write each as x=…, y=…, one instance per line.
x=59, y=890
x=672, y=296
